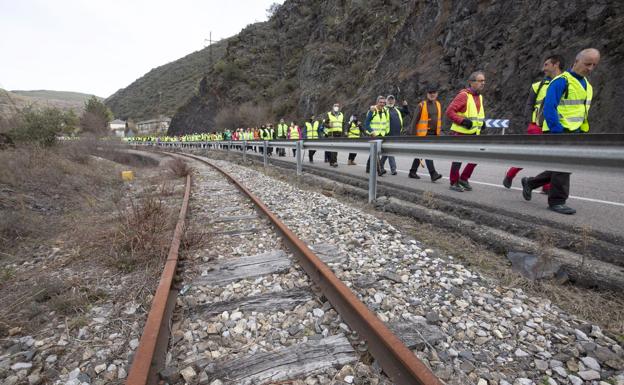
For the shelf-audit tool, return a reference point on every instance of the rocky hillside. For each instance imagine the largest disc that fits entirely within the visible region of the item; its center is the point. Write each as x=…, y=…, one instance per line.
x=176, y=82
x=312, y=53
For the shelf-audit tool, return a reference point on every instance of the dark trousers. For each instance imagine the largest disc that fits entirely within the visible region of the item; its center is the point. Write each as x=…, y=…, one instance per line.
x=352, y=156
x=559, y=185
x=378, y=164
x=428, y=162
x=311, y=155
x=465, y=175
x=332, y=157
x=294, y=152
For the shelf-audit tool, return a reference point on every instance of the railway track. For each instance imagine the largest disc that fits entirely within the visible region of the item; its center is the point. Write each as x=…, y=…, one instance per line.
x=247, y=313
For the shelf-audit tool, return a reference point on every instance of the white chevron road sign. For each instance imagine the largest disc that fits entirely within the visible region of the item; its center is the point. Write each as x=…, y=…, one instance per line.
x=497, y=123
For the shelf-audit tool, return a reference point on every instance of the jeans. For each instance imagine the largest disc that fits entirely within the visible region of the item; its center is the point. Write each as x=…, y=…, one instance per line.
x=391, y=160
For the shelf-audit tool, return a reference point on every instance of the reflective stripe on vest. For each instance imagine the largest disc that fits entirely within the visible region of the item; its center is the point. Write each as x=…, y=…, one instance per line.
x=354, y=131
x=335, y=123
x=422, y=127
x=574, y=105
x=294, y=133
x=312, y=130
x=477, y=117
x=282, y=129
x=380, y=123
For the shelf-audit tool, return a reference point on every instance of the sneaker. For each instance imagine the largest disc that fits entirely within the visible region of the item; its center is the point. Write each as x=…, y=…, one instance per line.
x=526, y=190
x=351, y=163
x=457, y=187
x=435, y=177
x=413, y=175
x=562, y=209
x=506, y=182
x=393, y=172
x=382, y=172
x=465, y=185
x=334, y=164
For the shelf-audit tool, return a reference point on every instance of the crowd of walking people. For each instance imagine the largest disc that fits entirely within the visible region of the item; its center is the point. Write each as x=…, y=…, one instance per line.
x=558, y=103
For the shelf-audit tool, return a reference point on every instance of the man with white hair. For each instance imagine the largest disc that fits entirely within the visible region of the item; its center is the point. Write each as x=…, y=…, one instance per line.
x=566, y=108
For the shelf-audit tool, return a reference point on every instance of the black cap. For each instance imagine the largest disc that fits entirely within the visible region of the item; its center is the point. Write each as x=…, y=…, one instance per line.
x=432, y=87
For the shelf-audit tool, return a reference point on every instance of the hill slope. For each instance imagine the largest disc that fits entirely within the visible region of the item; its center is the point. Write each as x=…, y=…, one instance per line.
x=11, y=101
x=312, y=53
x=177, y=81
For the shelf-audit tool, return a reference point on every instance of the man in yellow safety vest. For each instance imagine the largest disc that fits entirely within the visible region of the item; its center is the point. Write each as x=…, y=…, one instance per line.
x=311, y=133
x=467, y=113
x=333, y=128
x=566, y=109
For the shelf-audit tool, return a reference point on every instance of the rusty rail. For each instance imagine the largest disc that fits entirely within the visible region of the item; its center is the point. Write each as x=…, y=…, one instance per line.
x=397, y=361
x=153, y=344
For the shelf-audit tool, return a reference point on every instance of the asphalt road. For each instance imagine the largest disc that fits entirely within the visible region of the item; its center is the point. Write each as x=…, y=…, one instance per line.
x=596, y=194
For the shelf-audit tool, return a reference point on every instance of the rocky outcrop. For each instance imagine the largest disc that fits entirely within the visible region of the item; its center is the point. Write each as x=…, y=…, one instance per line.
x=311, y=54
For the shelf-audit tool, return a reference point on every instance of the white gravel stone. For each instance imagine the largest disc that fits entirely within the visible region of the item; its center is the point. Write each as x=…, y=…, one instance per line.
x=591, y=363
x=188, y=373
x=21, y=365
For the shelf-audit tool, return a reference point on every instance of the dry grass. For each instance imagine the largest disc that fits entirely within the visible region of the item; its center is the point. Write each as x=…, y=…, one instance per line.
x=141, y=235
x=38, y=185
x=179, y=167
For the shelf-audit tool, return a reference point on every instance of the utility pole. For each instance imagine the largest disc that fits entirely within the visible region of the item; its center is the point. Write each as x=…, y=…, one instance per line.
x=209, y=41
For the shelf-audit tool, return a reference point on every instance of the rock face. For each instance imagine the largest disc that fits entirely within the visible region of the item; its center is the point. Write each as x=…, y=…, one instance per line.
x=311, y=54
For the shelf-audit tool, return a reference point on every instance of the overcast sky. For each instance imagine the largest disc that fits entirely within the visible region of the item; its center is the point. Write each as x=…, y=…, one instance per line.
x=98, y=47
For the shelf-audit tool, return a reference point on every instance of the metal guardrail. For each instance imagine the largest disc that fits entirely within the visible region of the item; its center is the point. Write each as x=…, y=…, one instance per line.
x=549, y=151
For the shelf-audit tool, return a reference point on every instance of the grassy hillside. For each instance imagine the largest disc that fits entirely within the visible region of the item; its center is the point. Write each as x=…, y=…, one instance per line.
x=68, y=96
x=12, y=101
x=175, y=81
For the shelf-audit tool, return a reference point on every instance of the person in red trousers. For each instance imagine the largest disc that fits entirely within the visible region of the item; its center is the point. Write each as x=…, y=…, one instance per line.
x=553, y=67
x=467, y=113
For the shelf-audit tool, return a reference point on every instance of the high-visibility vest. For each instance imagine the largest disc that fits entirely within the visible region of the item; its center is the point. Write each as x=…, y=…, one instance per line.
x=294, y=132
x=477, y=117
x=398, y=112
x=335, y=123
x=282, y=129
x=354, y=131
x=539, y=89
x=380, y=123
x=312, y=130
x=422, y=126
x=574, y=105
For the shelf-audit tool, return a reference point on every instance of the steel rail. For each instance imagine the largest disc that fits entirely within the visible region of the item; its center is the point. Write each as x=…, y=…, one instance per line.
x=396, y=359
x=153, y=344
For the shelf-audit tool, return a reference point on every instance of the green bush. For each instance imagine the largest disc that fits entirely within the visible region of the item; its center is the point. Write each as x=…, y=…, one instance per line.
x=41, y=127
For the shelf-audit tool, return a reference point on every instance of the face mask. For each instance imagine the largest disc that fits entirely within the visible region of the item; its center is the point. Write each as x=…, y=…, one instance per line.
x=390, y=105
x=336, y=109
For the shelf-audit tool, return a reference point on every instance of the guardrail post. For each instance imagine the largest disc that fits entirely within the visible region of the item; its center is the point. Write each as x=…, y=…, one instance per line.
x=299, y=157
x=265, y=153
x=375, y=146
x=244, y=151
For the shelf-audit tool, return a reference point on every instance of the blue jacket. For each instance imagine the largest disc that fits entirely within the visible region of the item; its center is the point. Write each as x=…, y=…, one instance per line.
x=551, y=101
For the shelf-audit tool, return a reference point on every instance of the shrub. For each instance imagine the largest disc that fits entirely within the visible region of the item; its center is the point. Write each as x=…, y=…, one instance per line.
x=42, y=127
x=179, y=167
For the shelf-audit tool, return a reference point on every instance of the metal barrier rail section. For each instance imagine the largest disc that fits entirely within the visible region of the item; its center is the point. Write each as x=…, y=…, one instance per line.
x=549, y=151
